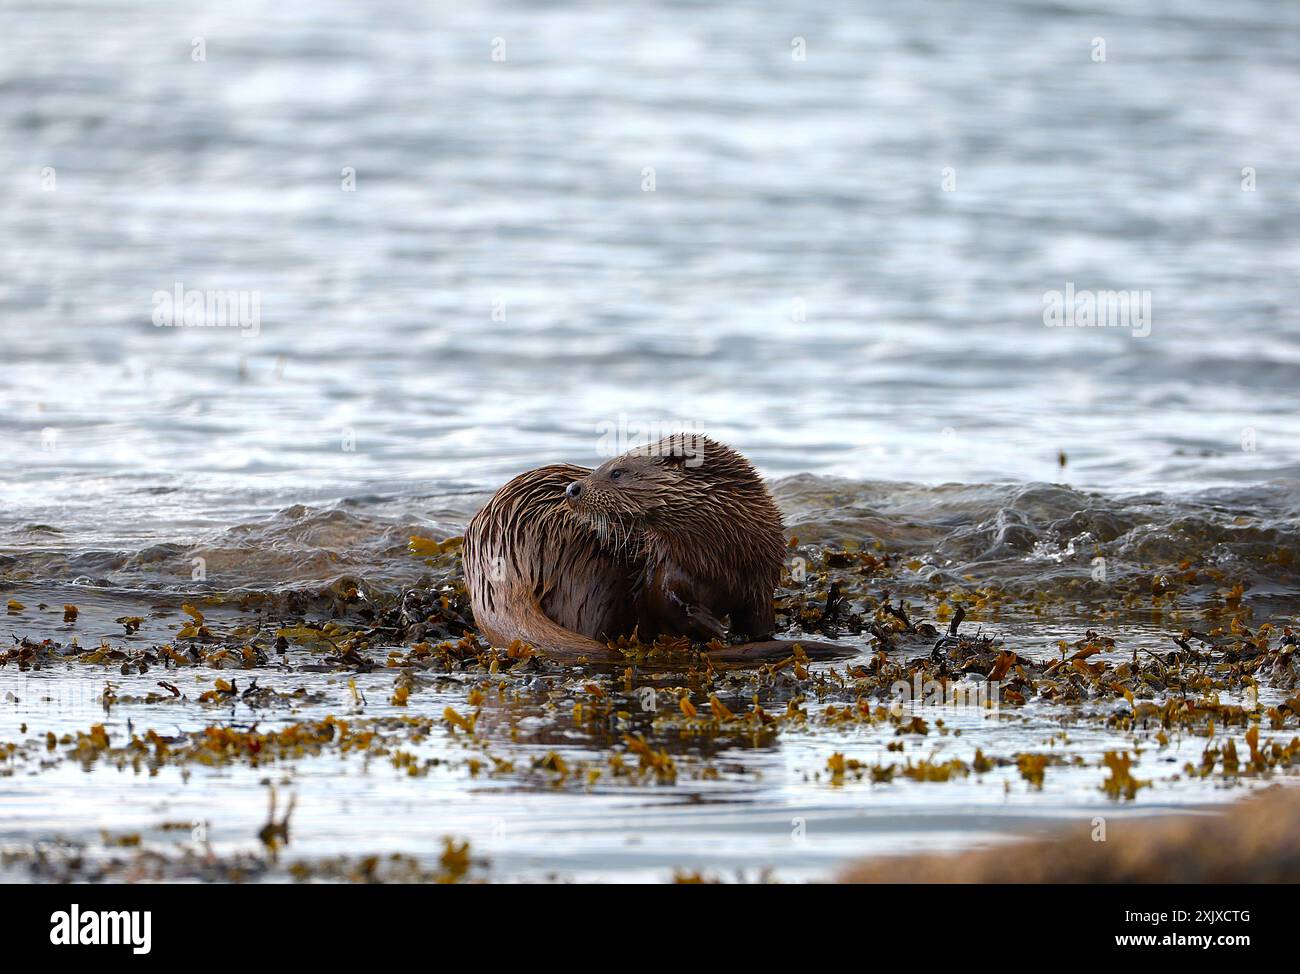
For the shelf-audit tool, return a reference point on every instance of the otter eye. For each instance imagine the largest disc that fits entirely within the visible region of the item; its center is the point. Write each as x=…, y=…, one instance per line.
x=616, y=473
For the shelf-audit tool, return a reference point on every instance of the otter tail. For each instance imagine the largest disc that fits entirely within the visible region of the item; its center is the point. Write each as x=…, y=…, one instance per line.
x=775, y=650
x=532, y=626
x=527, y=622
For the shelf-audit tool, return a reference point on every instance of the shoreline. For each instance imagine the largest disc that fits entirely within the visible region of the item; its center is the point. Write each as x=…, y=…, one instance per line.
x=1097, y=710
x=1252, y=840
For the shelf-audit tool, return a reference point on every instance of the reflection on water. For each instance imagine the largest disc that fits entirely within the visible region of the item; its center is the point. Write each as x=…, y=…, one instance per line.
x=303, y=619
x=734, y=805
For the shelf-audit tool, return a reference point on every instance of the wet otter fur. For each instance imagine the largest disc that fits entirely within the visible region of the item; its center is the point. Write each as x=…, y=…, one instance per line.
x=710, y=535
x=669, y=539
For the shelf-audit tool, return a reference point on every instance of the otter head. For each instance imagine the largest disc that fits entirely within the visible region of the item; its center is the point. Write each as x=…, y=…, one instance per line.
x=694, y=495
x=652, y=487
x=631, y=491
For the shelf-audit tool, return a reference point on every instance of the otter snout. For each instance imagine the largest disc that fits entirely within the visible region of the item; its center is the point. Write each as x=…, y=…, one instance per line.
x=573, y=490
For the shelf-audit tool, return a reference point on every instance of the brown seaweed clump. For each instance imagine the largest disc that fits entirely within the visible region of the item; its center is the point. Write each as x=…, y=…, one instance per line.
x=1254, y=842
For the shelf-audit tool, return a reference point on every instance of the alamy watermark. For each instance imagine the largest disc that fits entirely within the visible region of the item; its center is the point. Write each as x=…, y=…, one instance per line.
x=678, y=438
x=191, y=308
x=1098, y=309
x=985, y=694
x=73, y=927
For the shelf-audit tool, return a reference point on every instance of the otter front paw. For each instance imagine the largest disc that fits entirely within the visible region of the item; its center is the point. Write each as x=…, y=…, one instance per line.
x=698, y=621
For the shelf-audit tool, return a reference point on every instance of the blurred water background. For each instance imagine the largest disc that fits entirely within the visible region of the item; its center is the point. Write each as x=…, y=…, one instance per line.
x=515, y=186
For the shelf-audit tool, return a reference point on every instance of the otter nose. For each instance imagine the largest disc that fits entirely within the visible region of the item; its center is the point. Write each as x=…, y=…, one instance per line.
x=573, y=490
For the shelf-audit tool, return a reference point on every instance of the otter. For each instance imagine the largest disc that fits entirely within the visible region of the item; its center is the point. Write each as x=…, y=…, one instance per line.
x=678, y=538
x=710, y=534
